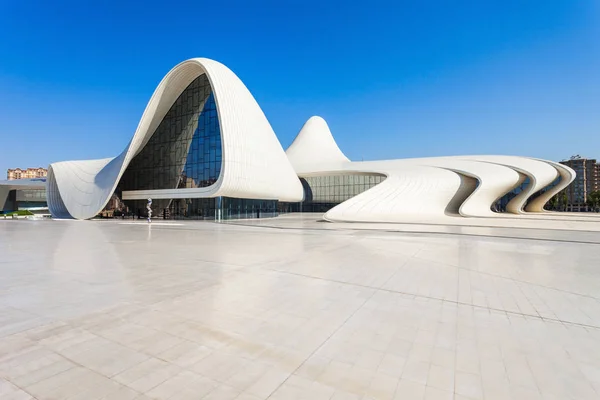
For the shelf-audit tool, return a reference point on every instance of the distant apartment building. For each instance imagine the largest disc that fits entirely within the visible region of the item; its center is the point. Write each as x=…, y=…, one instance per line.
x=28, y=173
x=585, y=182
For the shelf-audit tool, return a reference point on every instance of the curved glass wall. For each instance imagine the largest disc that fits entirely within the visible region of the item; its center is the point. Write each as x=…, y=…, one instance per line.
x=322, y=193
x=185, y=150
x=216, y=208
x=501, y=203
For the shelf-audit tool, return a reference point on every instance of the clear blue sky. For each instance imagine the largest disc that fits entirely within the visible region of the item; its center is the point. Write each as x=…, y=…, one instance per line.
x=393, y=79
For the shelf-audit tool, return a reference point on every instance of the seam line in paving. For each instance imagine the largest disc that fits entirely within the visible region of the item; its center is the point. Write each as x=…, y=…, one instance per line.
x=507, y=278
x=432, y=233
x=440, y=299
x=384, y=224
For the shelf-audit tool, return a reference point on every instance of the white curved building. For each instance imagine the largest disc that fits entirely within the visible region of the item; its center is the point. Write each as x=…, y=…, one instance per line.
x=201, y=136
x=422, y=189
x=204, y=149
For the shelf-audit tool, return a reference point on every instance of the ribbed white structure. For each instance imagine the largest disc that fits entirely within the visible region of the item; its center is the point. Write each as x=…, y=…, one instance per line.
x=254, y=164
x=566, y=174
x=428, y=189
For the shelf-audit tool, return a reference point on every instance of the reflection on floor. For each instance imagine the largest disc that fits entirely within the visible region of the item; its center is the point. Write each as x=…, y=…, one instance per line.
x=294, y=308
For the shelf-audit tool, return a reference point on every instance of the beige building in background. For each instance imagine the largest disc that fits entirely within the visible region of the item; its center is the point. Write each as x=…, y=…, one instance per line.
x=28, y=173
x=586, y=182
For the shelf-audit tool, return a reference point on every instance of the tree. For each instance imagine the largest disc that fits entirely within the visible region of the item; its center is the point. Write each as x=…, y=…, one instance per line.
x=553, y=202
x=564, y=200
x=593, y=200
x=559, y=201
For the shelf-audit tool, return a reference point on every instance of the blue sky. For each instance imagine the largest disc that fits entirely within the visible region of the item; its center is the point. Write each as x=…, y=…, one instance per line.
x=393, y=79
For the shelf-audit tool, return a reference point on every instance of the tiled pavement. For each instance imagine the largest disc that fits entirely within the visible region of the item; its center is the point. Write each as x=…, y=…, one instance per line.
x=197, y=310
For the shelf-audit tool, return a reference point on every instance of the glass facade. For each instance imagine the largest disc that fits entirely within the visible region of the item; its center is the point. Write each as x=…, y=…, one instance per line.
x=321, y=193
x=185, y=152
x=501, y=203
x=216, y=208
x=31, y=195
x=247, y=208
x=25, y=199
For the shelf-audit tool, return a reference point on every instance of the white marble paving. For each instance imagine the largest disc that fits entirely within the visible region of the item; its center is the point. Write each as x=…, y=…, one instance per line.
x=294, y=308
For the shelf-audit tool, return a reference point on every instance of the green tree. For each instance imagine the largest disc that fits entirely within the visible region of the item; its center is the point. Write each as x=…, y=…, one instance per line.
x=593, y=200
x=559, y=201
x=553, y=202
x=564, y=200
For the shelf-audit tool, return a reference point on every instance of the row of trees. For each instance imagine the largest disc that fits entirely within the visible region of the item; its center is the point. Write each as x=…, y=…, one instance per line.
x=560, y=201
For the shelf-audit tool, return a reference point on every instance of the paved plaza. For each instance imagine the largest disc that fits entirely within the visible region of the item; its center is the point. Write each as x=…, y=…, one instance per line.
x=296, y=308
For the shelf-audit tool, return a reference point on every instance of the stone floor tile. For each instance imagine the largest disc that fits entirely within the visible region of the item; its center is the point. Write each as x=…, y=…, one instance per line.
x=222, y=392
x=247, y=396
x=185, y=353
x=469, y=385
x=44, y=372
x=121, y=393
x=267, y=383
x=70, y=383
x=408, y=389
x=432, y=393
x=441, y=378
x=11, y=391
x=147, y=374
x=185, y=383
x=416, y=371
x=382, y=386
x=108, y=359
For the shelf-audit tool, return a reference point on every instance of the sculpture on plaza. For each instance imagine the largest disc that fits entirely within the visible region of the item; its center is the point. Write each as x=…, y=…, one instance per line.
x=149, y=208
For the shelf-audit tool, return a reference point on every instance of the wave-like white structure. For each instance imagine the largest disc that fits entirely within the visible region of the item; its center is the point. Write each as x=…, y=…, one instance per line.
x=253, y=165
x=427, y=189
